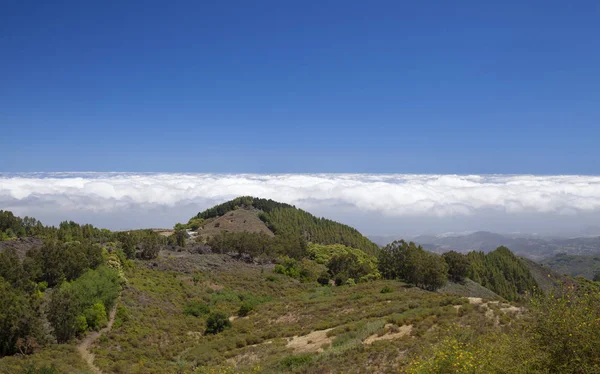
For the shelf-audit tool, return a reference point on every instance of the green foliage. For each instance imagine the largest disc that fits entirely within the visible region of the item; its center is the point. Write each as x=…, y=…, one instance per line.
x=18, y=319
x=565, y=327
x=289, y=267
x=387, y=289
x=180, y=237
x=45, y=369
x=323, y=278
x=560, y=336
x=596, y=277
x=56, y=261
x=257, y=245
x=266, y=205
x=64, y=313
x=406, y=261
x=502, y=272
x=196, y=309
x=11, y=268
x=296, y=361
x=12, y=226
x=128, y=241
x=295, y=222
x=458, y=265
x=217, y=322
x=349, y=265
x=73, y=303
x=95, y=316
x=101, y=285
x=150, y=244
x=344, y=262
x=245, y=309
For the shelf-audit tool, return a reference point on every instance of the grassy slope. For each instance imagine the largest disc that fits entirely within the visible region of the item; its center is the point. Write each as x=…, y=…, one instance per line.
x=546, y=278
x=469, y=289
x=152, y=335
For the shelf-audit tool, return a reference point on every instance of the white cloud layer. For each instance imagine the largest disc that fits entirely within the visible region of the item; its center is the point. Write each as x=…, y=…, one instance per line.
x=124, y=200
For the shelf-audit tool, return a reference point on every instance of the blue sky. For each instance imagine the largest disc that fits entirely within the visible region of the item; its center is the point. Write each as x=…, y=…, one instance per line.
x=300, y=86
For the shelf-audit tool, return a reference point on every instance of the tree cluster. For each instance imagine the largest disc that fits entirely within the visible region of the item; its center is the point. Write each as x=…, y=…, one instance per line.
x=458, y=265
x=502, y=272
x=412, y=264
x=344, y=263
x=296, y=222
x=85, y=280
x=83, y=304
x=258, y=245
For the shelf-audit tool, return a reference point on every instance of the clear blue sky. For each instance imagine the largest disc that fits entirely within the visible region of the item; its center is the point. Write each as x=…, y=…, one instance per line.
x=300, y=86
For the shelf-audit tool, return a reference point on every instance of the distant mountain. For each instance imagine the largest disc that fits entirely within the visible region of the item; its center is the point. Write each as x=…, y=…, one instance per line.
x=534, y=247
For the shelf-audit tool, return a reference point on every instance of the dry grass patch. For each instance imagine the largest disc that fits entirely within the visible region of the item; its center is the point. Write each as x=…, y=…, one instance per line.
x=404, y=330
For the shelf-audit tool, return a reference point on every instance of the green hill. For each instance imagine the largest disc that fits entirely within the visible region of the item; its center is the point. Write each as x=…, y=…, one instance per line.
x=287, y=220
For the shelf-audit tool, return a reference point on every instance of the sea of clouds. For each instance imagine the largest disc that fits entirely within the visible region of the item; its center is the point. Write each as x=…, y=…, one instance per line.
x=375, y=203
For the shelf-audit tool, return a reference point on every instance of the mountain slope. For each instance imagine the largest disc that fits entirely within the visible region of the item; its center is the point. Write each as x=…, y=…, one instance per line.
x=586, y=265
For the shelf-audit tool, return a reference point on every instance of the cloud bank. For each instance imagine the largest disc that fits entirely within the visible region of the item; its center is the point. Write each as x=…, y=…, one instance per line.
x=129, y=200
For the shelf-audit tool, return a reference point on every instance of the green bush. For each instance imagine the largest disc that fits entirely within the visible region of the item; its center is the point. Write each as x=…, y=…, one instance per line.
x=289, y=267
x=196, y=309
x=95, y=316
x=32, y=369
x=387, y=289
x=297, y=361
x=217, y=322
x=323, y=279
x=245, y=309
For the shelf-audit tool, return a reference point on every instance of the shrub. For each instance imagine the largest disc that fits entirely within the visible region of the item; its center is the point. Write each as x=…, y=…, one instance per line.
x=95, y=316
x=387, y=289
x=340, y=279
x=196, y=309
x=289, y=267
x=245, y=309
x=41, y=370
x=297, y=361
x=217, y=322
x=323, y=279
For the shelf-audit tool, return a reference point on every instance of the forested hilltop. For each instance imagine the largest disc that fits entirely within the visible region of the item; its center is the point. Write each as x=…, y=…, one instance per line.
x=275, y=299
x=287, y=220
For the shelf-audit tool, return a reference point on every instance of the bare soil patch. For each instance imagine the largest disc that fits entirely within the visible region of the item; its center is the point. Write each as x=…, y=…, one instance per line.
x=21, y=245
x=310, y=343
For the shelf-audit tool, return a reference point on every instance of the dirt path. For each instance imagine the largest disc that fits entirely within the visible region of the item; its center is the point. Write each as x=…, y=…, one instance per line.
x=86, y=343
